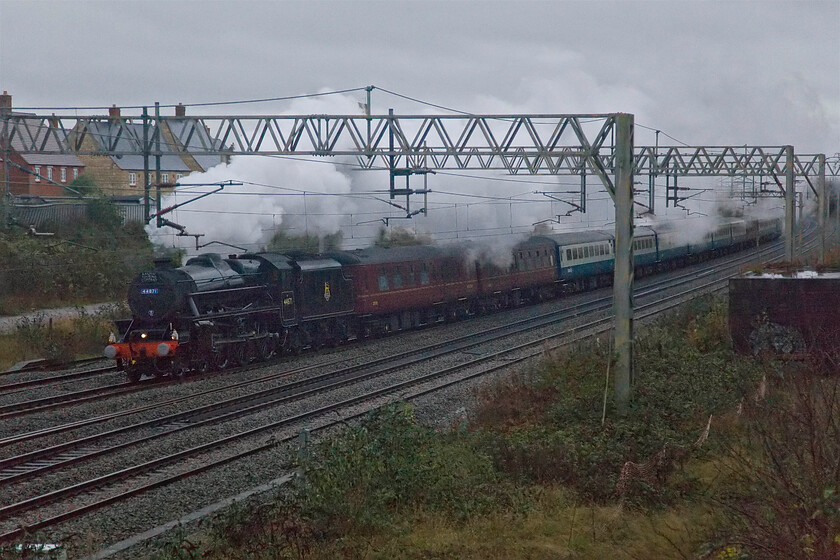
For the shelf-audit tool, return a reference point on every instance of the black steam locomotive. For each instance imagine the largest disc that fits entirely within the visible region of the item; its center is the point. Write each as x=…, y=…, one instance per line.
x=216, y=311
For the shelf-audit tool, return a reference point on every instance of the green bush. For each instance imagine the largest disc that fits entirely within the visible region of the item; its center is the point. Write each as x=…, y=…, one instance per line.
x=88, y=261
x=685, y=371
x=364, y=481
x=388, y=462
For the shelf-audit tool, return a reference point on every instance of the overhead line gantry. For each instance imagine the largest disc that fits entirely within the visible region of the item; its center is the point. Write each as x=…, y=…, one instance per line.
x=529, y=144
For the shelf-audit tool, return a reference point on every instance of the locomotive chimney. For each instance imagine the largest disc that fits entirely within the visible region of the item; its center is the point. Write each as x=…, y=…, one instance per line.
x=5, y=102
x=163, y=263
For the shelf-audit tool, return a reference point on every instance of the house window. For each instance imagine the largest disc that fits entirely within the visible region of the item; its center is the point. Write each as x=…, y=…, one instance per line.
x=132, y=179
x=75, y=172
x=37, y=173
x=164, y=177
x=397, y=279
x=178, y=176
x=63, y=174
x=424, y=275
x=49, y=173
x=383, y=281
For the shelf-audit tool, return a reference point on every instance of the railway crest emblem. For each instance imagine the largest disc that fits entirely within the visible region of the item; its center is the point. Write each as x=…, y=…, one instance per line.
x=327, y=294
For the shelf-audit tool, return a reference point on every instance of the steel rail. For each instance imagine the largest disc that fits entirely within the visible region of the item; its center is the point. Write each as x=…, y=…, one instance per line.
x=11, y=388
x=45, y=364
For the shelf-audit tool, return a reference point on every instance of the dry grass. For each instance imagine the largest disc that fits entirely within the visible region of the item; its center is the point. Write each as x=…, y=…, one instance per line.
x=556, y=528
x=83, y=335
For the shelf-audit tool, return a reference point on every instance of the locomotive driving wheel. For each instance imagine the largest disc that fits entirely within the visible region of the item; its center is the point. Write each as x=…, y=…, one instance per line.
x=201, y=364
x=133, y=372
x=264, y=348
x=220, y=359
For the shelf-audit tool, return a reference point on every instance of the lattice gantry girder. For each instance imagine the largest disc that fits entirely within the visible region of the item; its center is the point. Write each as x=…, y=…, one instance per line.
x=716, y=161
x=537, y=144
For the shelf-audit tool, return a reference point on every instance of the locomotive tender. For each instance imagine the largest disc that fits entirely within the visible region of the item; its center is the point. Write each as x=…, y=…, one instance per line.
x=215, y=311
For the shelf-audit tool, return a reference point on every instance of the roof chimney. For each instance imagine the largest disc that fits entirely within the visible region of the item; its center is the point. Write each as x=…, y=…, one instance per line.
x=5, y=101
x=114, y=111
x=180, y=110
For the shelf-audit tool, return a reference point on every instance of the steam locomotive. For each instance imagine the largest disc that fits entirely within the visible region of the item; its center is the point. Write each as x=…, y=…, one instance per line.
x=214, y=312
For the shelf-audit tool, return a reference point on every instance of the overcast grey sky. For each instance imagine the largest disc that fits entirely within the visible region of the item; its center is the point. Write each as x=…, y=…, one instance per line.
x=706, y=73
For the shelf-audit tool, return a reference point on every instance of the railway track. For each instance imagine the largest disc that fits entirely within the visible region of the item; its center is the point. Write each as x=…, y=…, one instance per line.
x=24, y=467
x=21, y=386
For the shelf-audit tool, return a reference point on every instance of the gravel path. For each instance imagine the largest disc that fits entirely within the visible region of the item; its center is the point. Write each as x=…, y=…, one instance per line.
x=8, y=323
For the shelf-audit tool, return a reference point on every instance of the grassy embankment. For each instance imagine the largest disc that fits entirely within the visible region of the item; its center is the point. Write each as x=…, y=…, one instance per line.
x=84, y=262
x=534, y=472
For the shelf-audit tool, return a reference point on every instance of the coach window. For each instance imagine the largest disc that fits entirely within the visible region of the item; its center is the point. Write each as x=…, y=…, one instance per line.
x=568, y=254
x=383, y=281
x=397, y=279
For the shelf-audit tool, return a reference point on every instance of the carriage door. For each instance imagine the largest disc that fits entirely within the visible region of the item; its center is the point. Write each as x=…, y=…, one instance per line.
x=288, y=299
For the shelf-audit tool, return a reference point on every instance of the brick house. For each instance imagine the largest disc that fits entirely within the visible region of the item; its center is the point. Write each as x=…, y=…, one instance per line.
x=124, y=174
x=36, y=174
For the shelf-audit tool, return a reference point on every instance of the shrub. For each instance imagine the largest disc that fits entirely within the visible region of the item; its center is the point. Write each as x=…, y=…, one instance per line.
x=358, y=480
x=84, y=263
x=62, y=340
x=685, y=371
x=783, y=470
